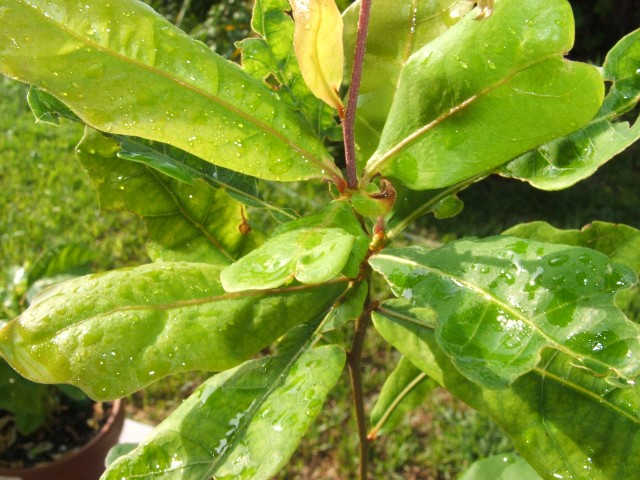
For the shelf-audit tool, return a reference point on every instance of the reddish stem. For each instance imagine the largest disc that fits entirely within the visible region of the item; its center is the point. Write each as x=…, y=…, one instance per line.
x=354, y=90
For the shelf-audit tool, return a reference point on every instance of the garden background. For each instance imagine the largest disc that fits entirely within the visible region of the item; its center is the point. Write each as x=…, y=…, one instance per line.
x=47, y=201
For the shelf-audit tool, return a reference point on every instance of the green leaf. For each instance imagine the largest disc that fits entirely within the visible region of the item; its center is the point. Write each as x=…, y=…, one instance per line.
x=567, y=160
x=500, y=301
x=124, y=69
x=559, y=417
x=113, y=333
x=500, y=467
x=241, y=424
x=186, y=222
x=620, y=243
x=484, y=92
x=271, y=58
x=312, y=249
x=405, y=389
x=310, y=255
x=396, y=30
x=338, y=214
x=27, y=401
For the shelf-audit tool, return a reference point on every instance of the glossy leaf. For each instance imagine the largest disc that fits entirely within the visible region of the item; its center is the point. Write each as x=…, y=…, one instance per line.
x=500, y=301
x=567, y=160
x=113, y=333
x=620, y=243
x=464, y=101
x=186, y=221
x=317, y=41
x=309, y=255
x=559, y=416
x=396, y=30
x=149, y=79
x=271, y=58
x=338, y=214
x=500, y=467
x=405, y=389
x=241, y=424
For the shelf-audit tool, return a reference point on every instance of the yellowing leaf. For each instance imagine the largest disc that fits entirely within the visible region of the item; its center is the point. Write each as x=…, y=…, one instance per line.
x=317, y=41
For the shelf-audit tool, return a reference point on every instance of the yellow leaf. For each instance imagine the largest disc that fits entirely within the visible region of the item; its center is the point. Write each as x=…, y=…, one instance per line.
x=317, y=42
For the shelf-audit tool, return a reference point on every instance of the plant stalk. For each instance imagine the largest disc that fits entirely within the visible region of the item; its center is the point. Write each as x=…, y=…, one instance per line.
x=354, y=361
x=182, y=12
x=354, y=90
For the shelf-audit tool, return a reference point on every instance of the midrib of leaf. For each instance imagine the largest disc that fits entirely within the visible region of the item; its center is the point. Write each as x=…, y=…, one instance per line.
x=198, y=226
x=217, y=100
x=411, y=36
x=372, y=168
x=491, y=298
x=544, y=374
x=205, y=300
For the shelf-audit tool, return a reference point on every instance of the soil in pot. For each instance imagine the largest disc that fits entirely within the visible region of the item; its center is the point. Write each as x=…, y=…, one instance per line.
x=73, y=426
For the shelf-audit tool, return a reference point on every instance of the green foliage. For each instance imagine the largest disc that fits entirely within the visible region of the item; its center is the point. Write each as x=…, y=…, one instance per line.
x=565, y=161
x=496, y=311
x=507, y=75
x=529, y=327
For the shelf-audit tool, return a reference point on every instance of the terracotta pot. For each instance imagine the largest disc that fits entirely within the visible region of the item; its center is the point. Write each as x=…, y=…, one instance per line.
x=87, y=463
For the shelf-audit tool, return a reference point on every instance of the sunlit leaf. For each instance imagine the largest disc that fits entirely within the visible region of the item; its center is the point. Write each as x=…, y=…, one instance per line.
x=113, y=333
x=338, y=214
x=310, y=255
x=125, y=70
x=396, y=30
x=186, y=221
x=244, y=423
x=464, y=102
x=559, y=416
x=500, y=301
x=500, y=467
x=317, y=41
x=405, y=389
x=271, y=58
x=565, y=161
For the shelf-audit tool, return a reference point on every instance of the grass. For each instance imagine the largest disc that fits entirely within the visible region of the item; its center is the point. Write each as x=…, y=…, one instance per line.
x=46, y=201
